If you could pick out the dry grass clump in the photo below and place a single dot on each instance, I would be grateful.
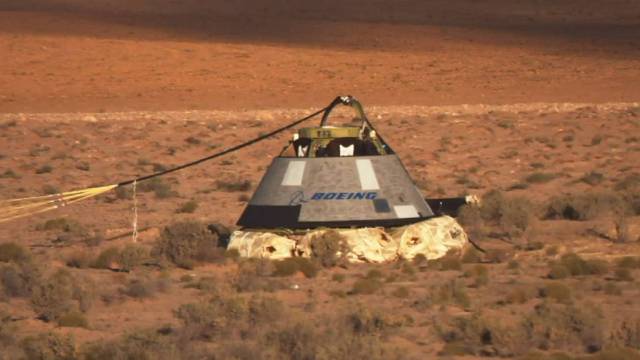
(131, 256)
(187, 243)
(592, 178)
(188, 207)
(329, 249)
(143, 344)
(53, 297)
(557, 292)
(254, 275)
(450, 293)
(366, 286)
(623, 274)
(73, 319)
(158, 186)
(479, 274)
(106, 258)
(293, 265)
(573, 265)
(450, 261)
(233, 185)
(540, 177)
(211, 319)
(498, 216)
(629, 262)
(144, 287)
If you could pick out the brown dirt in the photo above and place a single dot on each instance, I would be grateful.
(68, 55)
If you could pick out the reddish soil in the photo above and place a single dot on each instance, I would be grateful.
(69, 55)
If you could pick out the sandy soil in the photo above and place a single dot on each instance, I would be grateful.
(68, 55)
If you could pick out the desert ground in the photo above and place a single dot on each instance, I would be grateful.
(532, 105)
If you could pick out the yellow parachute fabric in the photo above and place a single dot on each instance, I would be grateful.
(17, 208)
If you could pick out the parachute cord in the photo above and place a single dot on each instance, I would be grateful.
(134, 232)
(224, 152)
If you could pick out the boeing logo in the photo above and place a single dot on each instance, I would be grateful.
(344, 195)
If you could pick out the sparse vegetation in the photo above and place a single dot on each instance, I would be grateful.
(540, 177)
(188, 207)
(233, 185)
(291, 266)
(189, 242)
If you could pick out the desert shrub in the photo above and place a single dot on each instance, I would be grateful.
(132, 255)
(420, 260)
(291, 266)
(627, 333)
(13, 252)
(79, 259)
(188, 242)
(585, 206)
(124, 192)
(629, 262)
(233, 185)
(482, 335)
(451, 292)
(496, 256)
(498, 215)
(519, 295)
(558, 292)
(188, 207)
(49, 346)
(366, 286)
(18, 280)
(365, 321)
(53, 297)
(540, 177)
(479, 274)
(623, 274)
(472, 255)
(253, 275)
(329, 249)
(566, 327)
(513, 264)
(592, 178)
(264, 310)
(73, 319)
(140, 344)
(44, 169)
(551, 250)
(158, 186)
(534, 246)
(450, 261)
(559, 271)
(573, 265)
(374, 274)
(401, 292)
(208, 320)
(338, 277)
(141, 288)
(612, 289)
(106, 258)
(207, 284)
